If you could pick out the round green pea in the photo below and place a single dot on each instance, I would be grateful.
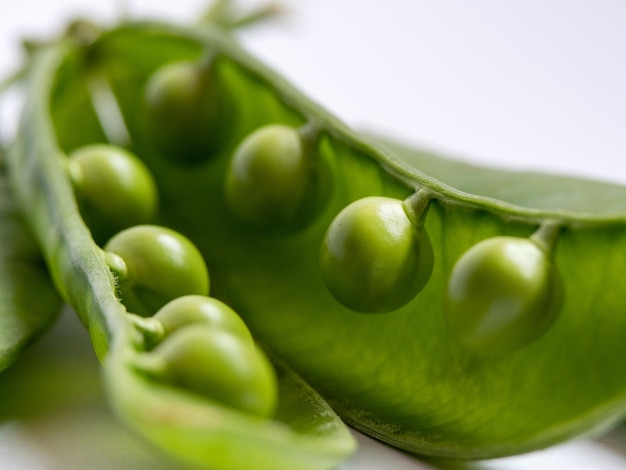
(114, 188)
(160, 265)
(503, 293)
(271, 183)
(187, 114)
(200, 309)
(218, 365)
(373, 259)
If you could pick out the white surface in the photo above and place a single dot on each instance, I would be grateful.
(530, 83)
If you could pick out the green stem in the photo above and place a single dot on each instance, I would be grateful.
(150, 331)
(117, 265)
(310, 134)
(547, 235)
(151, 365)
(224, 14)
(416, 207)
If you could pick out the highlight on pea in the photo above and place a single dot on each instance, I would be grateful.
(376, 254)
(504, 292)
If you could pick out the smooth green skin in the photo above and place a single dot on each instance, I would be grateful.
(219, 365)
(199, 309)
(114, 188)
(161, 265)
(269, 178)
(29, 304)
(373, 259)
(400, 377)
(185, 110)
(503, 294)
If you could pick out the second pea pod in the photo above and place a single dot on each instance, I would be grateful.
(429, 303)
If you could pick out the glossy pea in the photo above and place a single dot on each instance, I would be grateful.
(114, 188)
(373, 258)
(503, 294)
(200, 309)
(158, 265)
(272, 182)
(218, 365)
(186, 111)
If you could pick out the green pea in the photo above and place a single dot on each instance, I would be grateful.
(373, 258)
(186, 111)
(199, 309)
(272, 183)
(503, 293)
(219, 365)
(160, 265)
(114, 188)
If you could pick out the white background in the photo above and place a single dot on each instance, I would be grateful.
(527, 84)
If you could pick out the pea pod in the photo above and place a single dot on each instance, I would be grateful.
(402, 376)
(196, 428)
(28, 302)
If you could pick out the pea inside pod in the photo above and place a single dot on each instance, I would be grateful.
(203, 346)
(374, 258)
(217, 364)
(273, 181)
(187, 110)
(503, 294)
(192, 309)
(114, 188)
(155, 265)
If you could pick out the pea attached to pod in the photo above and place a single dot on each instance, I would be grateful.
(274, 181)
(503, 294)
(187, 111)
(114, 188)
(188, 310)
(376, 255)
(155, 265)
(222, 364)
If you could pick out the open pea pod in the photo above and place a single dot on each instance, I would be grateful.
(195, 428)
(475, 353)
(29, 304)
(445, 309)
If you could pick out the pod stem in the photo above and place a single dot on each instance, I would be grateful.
(416, 207)
(150, 329)
(150, 365)
(310, 133)
(546, 235)
(225, 14)
(117, 265)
